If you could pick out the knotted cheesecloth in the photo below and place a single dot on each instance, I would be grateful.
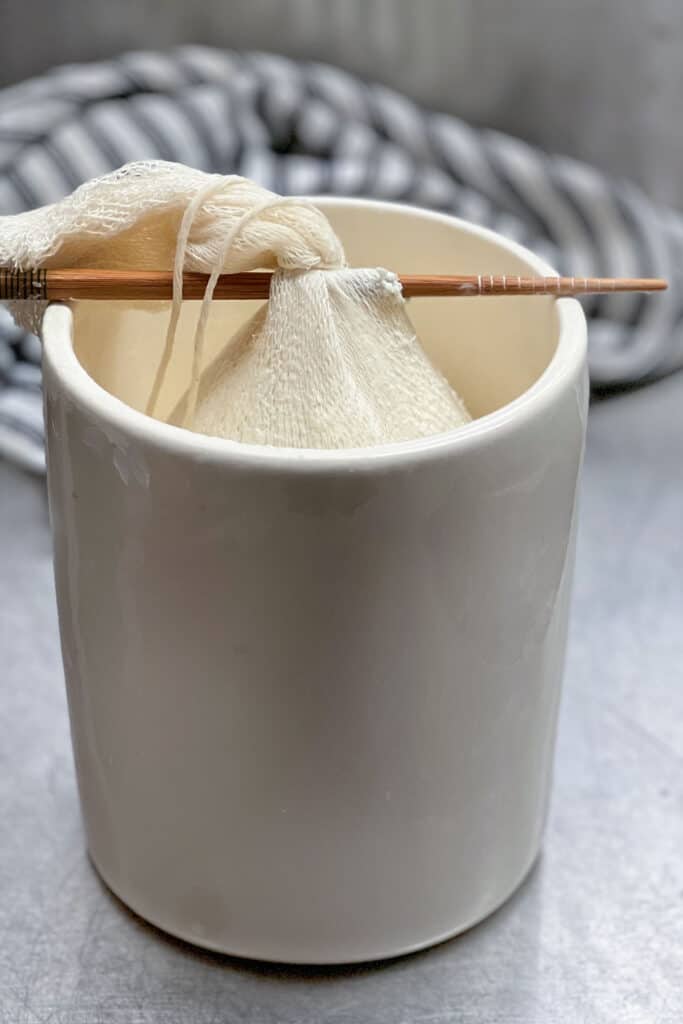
(330, 361)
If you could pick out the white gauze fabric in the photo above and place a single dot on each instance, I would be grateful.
(331, 361)
(131, 218)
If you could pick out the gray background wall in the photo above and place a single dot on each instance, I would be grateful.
(599, 79)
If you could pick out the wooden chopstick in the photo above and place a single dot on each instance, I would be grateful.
(158, 284)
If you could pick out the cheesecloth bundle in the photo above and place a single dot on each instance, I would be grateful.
(331, 361)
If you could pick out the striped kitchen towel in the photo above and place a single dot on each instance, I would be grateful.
(300, 127)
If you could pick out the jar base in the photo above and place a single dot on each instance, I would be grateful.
(343, 958)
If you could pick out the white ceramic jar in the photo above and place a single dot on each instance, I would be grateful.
(313, 695)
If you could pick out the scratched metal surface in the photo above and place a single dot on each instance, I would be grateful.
(596, 933)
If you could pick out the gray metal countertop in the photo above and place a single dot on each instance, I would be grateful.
(594, 935)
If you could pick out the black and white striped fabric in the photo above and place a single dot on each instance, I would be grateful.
(309, 128)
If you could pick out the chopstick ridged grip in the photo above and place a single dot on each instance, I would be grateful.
(23, 284)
